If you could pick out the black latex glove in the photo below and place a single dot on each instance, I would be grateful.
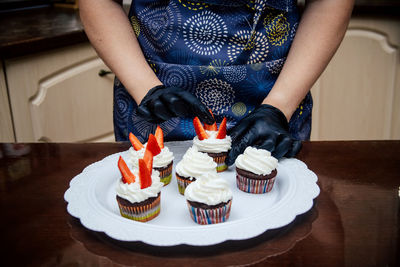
(266, 127)
(163, 103)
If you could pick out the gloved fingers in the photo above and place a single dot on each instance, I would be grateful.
(175, 104)
(232, 155)
(239, 129)
(198, 108)
(268, 141)
(158, 110)
(239, 145)
(268, 144)
(283, 145)
(144, 112)
(295, 148)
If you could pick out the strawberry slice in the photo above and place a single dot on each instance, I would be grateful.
(127, 176)
(212, 127)
(198, 127)
(159, 134)
(153, 146)
(222, 130)
(144, 175)
(137, 145)
(148, 159)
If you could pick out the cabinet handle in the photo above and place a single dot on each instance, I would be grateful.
(104, 72)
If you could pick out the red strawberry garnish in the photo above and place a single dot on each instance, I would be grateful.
(137, 145)
(148, 159)
(153, 146)
(222, 130)
(198, 127)
(160, 137)
(212, 127)
(127, 176)
(144, 175)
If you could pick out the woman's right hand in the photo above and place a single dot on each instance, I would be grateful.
(163, 103)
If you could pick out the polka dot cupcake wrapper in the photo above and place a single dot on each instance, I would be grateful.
(210, 216)
(254, 186)
(141, 213)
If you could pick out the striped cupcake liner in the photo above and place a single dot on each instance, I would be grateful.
(210, 216)
(221, 167)
(165, 174)
(167, 179)
(254, 186)
(141, 213)
(220, 160)
(182, 183)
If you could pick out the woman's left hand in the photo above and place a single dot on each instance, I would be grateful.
(266, 127)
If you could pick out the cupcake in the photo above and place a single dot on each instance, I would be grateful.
(215, 143)
(192, 165)
(163, 157)
(139, 192)
(209, 199)
(255, 171)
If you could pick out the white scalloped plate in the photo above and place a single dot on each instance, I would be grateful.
(91, 198)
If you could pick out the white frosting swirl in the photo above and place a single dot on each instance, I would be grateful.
(258, 161)
(212, 144)
(195, 163)
(161, 160)
(132, 191)
(209, 189)
(135, 156)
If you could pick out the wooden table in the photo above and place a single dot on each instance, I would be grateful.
(354, 222)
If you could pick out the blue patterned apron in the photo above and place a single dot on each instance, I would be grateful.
(228, 53)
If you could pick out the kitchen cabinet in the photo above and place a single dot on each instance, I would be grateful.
(58, 96)
(358, 95)
(6, 127)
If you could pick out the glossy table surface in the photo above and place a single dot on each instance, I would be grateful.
(354, 221)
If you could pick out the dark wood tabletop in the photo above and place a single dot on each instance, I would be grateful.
(354, 220)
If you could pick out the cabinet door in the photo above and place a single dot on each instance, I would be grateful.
(58, 96)
(6, 127)
(358, 95)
